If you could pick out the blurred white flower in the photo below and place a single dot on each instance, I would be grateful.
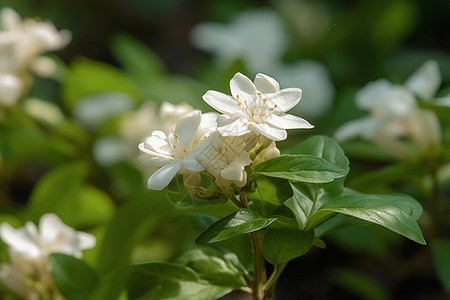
(173, 153)
(318, 89)
(425, 81)
(257, 37)
(21, 42)
(109, 150)
(258, 106)
(51, 236)
(29, 272)
(44, 111)
(10, 89)
(93, 110)
(395, 114)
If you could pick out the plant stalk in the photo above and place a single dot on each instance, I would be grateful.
(259, 265)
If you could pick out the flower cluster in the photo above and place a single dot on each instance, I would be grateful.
(21, 42)
(28, 274)
(224, 146)
(396, 123)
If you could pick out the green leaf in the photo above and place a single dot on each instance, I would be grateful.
(87, 77)
(58, 192)
(137, 58)
(131, 223)
(284, 241)
(443, 112)
(394, 23)
(326, 148)
(238, 223)
(441, 256)
(360, 284)
(269, 194)
(302, 202)
(74, 278)
(299, 168)
(336, 223)
(154, 281)
(214, 267)
(397, 213)
(63, 192)
(380, 180)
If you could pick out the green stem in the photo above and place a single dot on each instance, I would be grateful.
(433, 204)
(259, 265)
(269, 287)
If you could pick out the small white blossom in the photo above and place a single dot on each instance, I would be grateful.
(173, 153)
(225, 159)
(258, 106)
(395, 114)
(28, 274)
(10, 89)
(257, 37)
(21, 42)
(51, 236)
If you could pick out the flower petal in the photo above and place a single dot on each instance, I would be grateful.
(85, 240)
(365, 127)
(426, 80)
(221, 102)
(269, 131)
(287, 121)
(237, 127)
(20, 239)
(285, 99)
(234, 171)
(187, 126)
(266, 84)
(154, 161)
(243, 88)
(51, 228)
(161, 178)
(190, 163)
(161, 152)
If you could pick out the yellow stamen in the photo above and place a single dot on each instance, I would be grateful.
(237, 96)
(275, 106)
(259, 94)
(265, 113)
(178, 142)
(239, 103)
(271, 109)
(184, 150)
(265, 99)
(174, 147)
(225, 137)
(177, 136)
(173, 156)
(250, 125)
(245, 101)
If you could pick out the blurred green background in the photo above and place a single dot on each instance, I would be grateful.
(345, 44)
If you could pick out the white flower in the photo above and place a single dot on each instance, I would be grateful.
(257, 37)
(10, 89)
(395, 114)
(22, 41)
(51, 236)
(28, 274)
(91, 111)
(225, 159)
(171, 154)
(258, 106)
